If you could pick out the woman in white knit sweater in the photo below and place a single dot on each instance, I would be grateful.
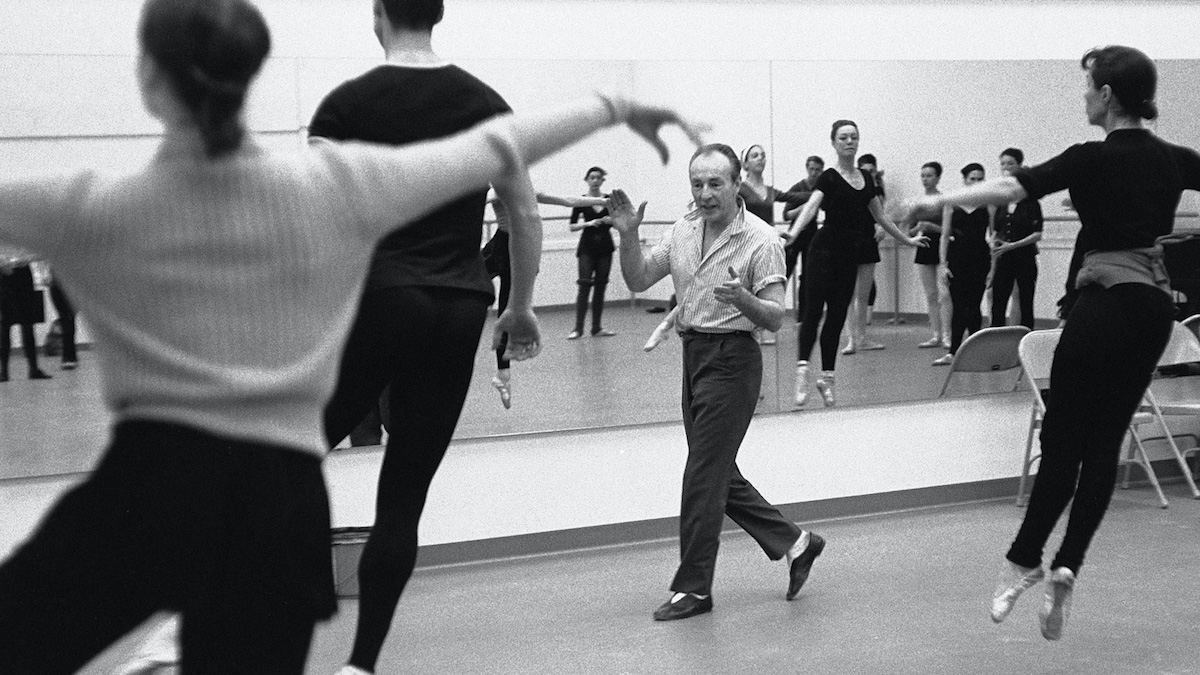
(220, 281)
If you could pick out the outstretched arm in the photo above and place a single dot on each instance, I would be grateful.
(806, 214)
(525, 252)
(571, 202)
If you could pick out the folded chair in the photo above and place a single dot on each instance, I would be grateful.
(1036, 352)
(1183, 397)
(991, 350)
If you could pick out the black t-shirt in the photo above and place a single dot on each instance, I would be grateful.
(397, 105)
(596, 241)
(1125, 189)
(1024, 220)
(849, 224)
(968, 250)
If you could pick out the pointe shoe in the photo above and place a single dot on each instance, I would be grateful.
(504, 388)
(574, 335)
(866, 345)
(659, 336)
(1057, 607)
(849, 349)
(931, 343)
(825, 386)
(603, 332)
(944, 360)
(801, 385)
(1014, 580)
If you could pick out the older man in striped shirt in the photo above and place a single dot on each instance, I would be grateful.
(728, 271)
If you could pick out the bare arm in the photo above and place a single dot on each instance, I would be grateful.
(571, 202)
(944, 243)
(636, 267)
(807, 213)
(885, 221)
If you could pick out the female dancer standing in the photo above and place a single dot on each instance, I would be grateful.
(1018, 228)
(595, 254)
(966, 262)
(19, 306)
(1118, 313)
(759, 197)
(221, 280)
(498, 263)
(852, 208)
(927, 260)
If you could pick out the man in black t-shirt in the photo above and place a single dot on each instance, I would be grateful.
(426, 297)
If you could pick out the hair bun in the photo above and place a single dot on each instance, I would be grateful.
(1147, 110)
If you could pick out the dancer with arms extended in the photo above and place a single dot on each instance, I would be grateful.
(852, 208)
(727, 269)
(220, 281)
(1118, 313)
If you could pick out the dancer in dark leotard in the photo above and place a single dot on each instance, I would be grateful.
(967, 260)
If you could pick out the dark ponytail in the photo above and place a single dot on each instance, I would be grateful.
(210, 49)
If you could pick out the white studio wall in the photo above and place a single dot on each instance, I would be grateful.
(947, 80)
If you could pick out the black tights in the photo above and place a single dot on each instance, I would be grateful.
(967, 287)
(593, 280)
(502, 303)
(1104, 361)
(28, 343)
(421, 341)
(829, 283)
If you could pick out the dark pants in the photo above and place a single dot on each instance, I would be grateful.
(830, 287)
(28, 343)
(593, 279)
(233, 535)
(1014, 268)
(66, 321)
(795, 252)
(721, 378)
(421, 341)
(968, 283)
(1109, 347)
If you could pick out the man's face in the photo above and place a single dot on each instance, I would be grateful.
(867, 167)
(714, 189)
(814, 170)
(1008, 164)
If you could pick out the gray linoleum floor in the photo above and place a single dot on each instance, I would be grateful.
(894, 593)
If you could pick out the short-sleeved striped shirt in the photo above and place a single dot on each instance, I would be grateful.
(748, 245)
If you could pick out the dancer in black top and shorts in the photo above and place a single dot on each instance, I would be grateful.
(852, 208)
(1118, 313)
(966, 262)
(594, 254)
(937, 296)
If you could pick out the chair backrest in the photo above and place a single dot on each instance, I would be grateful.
(1192, 323)
(1036, 351)
(1184, 346)
(991, 350)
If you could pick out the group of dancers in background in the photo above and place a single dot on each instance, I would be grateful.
(250, 306)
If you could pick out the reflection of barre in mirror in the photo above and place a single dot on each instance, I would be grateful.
(210, 499)
(1118, 314)
(727, 270)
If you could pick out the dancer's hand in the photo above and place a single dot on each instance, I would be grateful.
(622, 215)
(920, 241)
(648, 120)
(524, 335)
(731, 290)
(944, 271)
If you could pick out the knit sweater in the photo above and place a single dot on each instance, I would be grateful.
(220, 293)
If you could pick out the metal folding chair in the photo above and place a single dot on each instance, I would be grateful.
(1192, 323)
(1177, 396)
(1036, 352)
(991, 350)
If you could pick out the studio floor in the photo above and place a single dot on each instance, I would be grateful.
(895, 593)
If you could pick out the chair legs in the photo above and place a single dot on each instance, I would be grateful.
(1030, 458)
(1139, 457)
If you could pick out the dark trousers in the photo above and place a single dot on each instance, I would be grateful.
(593, 279)
(1014, 268)
(795, 252)
(66, 321)
(968, 283)
(721, 378)
(233, 535)
(421, 341)
(829, 286)
(28, 343)
(1109, 347)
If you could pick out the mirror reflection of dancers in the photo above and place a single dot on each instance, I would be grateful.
(19, 306)
(966, 263)
(937, 296)
(1118, 314)
(498, 262)
(594, 255)
(863, 303)
(797, 250)
(852, 209)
